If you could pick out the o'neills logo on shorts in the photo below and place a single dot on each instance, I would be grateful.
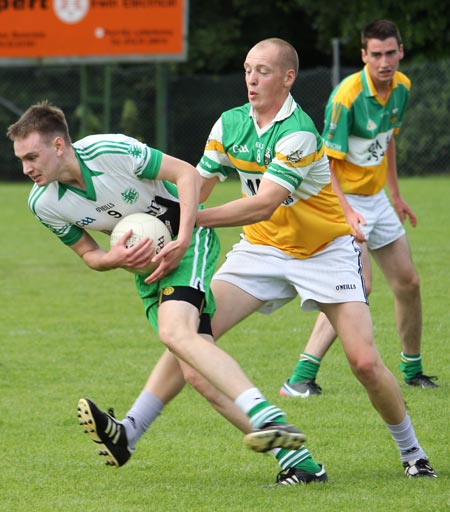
(168, 291)
(340, 287)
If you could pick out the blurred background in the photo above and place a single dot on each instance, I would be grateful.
(173, 105)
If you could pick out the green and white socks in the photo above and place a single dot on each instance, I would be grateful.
(410, 365)
(260, 412)
(306, 369)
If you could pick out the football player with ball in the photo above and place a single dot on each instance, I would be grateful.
(296, 243)
(92, 184)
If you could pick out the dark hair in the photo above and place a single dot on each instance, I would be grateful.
(43, 118)
(380, 29)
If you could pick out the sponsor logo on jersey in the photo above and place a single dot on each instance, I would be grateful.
(295, 156)
(105, 207)
(130, 195)
(240, 148)
(82, 223)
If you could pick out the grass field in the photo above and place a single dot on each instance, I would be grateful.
(69, 332)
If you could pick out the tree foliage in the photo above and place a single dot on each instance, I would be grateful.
(220, 33)
(425, 26)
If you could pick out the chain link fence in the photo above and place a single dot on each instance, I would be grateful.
(194, 103)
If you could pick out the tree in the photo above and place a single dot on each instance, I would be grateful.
(425, 27)
(220, 33)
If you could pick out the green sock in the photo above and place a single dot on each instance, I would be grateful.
(264, 413)
(410, 365)
(306, 369)
(301, 459)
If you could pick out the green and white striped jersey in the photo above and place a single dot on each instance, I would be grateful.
(120, 175)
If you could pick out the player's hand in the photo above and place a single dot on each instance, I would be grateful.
(168, 259)
(403, 211)
(355, 219)
(137, 256)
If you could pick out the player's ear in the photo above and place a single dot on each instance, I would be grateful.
(363, 55)
(59, 144)
(289, 77)
(401, 51)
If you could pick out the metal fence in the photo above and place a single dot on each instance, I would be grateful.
(127, 98)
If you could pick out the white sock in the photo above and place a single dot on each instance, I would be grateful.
(406, 441)
(142, 414)
(248, 399)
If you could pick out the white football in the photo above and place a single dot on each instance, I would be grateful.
(143, 225)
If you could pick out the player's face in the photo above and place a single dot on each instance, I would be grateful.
(382, 59)
(267, 84)
(39, 158)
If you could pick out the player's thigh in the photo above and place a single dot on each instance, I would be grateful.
(395, 261)
(353, 324)
(178, 321)
(232, 305)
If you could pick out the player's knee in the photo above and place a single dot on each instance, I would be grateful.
(407, 284)
(171, 336)
(368, 371)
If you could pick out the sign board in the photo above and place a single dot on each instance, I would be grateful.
(92, 31)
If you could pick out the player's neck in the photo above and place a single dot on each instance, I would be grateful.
(71, 174)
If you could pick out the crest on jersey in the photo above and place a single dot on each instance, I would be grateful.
(295, 156)
(371, 125)
(267, 156)
(135, 151)
(130, 195)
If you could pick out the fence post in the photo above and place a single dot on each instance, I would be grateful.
(336, 69)
(161, 106)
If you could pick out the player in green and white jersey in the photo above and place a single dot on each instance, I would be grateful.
(363, 115)
(89, 186)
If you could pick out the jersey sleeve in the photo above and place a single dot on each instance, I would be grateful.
(67, 232)
(295, 155)
(215, 162)
(337, 129)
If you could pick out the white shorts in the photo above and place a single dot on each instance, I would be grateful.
(383, 225)
(331, 276)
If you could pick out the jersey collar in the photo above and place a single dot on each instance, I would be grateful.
(89, 193)
(285, 111)
(368, 85)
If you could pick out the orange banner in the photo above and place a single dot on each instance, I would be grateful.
(93, 30)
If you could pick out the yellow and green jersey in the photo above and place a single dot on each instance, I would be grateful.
(358, 127)
(290, 152)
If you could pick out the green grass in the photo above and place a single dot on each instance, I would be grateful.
(68, 332)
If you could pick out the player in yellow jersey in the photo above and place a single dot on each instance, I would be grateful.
(363, 115)
(296, 243)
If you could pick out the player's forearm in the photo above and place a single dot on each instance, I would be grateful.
(93, 255)
(241, 212)
(188, 187)
(392, 176)
(99, 260)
